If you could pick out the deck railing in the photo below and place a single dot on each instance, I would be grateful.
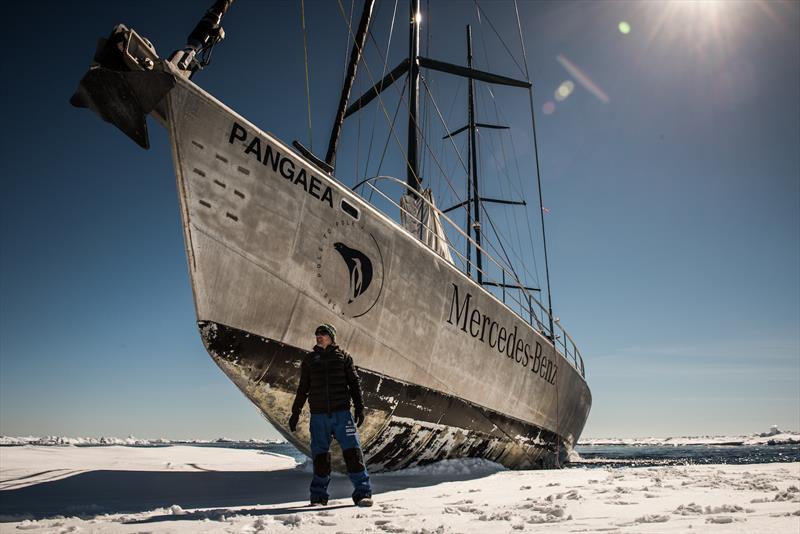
(523, 303)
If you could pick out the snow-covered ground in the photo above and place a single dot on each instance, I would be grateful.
(130, 441)
(186, 489)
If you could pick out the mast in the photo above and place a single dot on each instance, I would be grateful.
(355, 58)
(412, 175)
(473, 156)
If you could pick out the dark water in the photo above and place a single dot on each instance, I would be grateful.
(626, 455)
(645, 456)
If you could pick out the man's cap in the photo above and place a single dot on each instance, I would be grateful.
(328, 329)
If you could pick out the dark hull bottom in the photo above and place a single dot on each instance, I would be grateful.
(406, 424)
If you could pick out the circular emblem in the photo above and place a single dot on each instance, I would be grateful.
(349, 266)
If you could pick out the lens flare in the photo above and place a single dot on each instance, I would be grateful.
(582, 78)
(564, 90)
(549, 107)
(624, 28)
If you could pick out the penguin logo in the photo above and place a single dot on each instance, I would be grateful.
(360, 268)
(350, 280)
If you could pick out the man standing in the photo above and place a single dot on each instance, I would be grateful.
(328, 380)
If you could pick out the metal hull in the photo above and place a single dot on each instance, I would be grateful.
(276, 247)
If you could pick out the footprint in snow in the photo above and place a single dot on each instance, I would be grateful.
(652, 518)
(721, 520)
(386, 526)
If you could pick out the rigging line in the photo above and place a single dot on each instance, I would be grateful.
(433, 100)
(499, 165)
(489, 242)
(538, 173)
(308, 80)
(394, 133)
(511, 55)
(529, 226)
(347, 43)
(501, 119)
(380, 97)
(504, 190)
(383, 106)
(358, 125)
(505, 254)
(449, 117)
(358, 146)
(498, 115)
(427, 146)
(386, 145)
(535, 276)
(507, 221)
(426, 113)
(503, 194)
(510, 265)
(522, 262)
(375, 112)
(416, 124)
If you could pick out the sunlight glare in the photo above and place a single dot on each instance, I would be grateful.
(706, 30)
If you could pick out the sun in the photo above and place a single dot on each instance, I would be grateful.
(707, 29)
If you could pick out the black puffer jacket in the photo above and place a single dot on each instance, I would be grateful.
(328, 380)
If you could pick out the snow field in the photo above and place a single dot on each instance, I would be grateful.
(458, 496)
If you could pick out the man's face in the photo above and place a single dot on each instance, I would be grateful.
(323, 339)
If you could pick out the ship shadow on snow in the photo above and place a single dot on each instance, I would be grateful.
(113, 492)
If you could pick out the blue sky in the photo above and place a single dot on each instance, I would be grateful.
(673, 232)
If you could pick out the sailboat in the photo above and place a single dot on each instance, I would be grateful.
(276, 245)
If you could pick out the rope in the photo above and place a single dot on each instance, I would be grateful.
(346, 58)
(372, 78)
(498, 116)
(541, 212)
(488, 242)
(538, 171)
(481, 11)
(426, 110)
(386, 145)
(308, 80)
(375, 113)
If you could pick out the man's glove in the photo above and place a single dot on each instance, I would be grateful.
(293, 421)
(359, 416)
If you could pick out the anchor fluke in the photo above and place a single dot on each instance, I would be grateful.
(124, 84)
(123, 98)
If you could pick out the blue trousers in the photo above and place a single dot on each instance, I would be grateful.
(341, 426)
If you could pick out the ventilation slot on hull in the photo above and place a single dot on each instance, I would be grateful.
(349, 209)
